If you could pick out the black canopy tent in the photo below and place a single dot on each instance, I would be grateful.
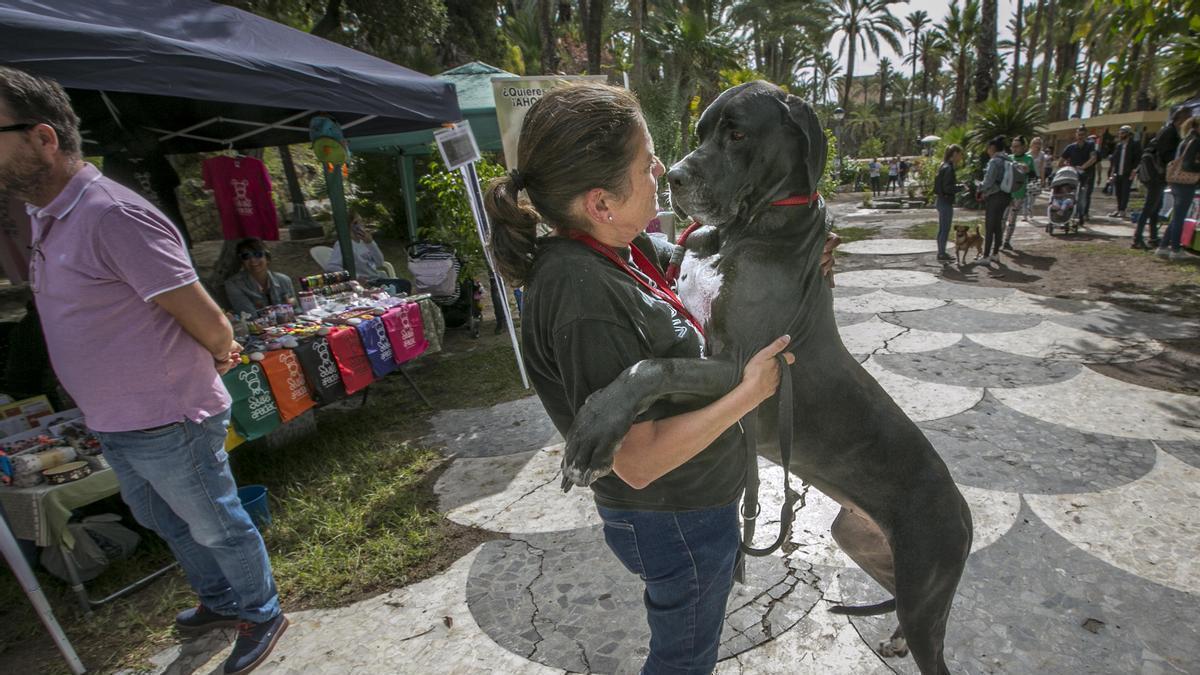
(198, 76)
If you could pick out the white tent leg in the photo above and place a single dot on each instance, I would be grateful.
(29, 583)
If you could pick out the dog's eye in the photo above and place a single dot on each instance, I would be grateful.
(737, 136)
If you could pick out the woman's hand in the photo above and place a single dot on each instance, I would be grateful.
(760, 379)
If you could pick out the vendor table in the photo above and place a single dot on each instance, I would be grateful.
(40, 514)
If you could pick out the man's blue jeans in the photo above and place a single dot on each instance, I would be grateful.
(686, 559)
(177, 482)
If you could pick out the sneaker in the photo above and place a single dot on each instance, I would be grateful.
(1180, 254)
(1007, 246)
(945, 256)
(1139, 245)
(1162, 252)
(200, 619)
(1115, 214)
(254, 644)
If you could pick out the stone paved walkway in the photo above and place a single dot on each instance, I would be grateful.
(1084, 490)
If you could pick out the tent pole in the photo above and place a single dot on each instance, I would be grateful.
(341, 220)
(29, 583)
(408, 180)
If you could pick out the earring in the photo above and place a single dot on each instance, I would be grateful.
(610, 219)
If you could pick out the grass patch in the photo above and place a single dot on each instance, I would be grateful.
(352, 508)
(851, 233)
(922, 231)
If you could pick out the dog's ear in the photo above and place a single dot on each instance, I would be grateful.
(812, 147)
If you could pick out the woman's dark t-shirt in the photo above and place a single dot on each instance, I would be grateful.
(584, 322)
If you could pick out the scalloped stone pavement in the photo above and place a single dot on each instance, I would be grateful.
(1084, 492)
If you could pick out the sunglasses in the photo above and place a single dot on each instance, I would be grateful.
(24, 126)
(246, 255)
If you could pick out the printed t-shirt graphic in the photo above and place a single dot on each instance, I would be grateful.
(351, 359)
(320, 370)
(254, 411)
(406, 331)
(287, 383)
(378, 348)
(242, 189)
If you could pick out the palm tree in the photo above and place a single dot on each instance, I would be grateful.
(917, 21)
(885, 70)
(932, 47)
(999, 117)
(985, 51)
(959, 30)
(1033, 44)
(1016, 71)
(863, 23)
(827, 69)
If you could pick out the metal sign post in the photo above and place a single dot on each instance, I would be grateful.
(459, 151)
(29, 584)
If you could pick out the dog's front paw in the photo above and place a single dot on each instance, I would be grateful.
(594, 438)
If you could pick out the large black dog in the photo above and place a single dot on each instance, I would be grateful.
(753, 274)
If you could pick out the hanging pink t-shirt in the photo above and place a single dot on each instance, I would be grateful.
(242, 189)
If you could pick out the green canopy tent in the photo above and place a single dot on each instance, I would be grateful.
(473, 83)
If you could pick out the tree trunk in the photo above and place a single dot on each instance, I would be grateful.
(1032, 48)
(985, 51)
(882, 90)
(1048, 53)
(961, 83)
(1146, 77)
(638, 9)
(591, 15)
(1016, 71)
(331, 20)
(924, 95)
(546, 33)
(912, 100)
(1083, 87)
(1133, 62)
(1099, 93)
(849, 72)
(1114, 95)
(685, 118)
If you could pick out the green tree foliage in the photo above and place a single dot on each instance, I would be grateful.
(445, 214)
(1005, 117)
(864, 23)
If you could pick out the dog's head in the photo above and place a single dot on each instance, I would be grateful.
(961, 230)
(757, 144)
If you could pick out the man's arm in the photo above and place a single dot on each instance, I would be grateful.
(192, 307)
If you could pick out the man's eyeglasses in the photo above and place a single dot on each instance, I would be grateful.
(24, 126)
(246, 255)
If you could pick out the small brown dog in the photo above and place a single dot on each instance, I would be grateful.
(964, 240)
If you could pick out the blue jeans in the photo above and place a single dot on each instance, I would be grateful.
(1154, 193)
(1182, 195)
(686, 559)
(1083, 203)
(177, 482)
(945, 211)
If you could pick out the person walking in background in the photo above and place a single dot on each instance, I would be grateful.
(1041, 161)
(1183, 181)
(875, 168)
(1160, 151)
(893, 174)
(995, 200)
(904, 167)
(141, 347)
(1122, 163)
(1020, 198)
(1082, 155)
(945, 189)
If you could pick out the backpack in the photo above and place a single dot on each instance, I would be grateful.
(1014, 176)
(1150, 169)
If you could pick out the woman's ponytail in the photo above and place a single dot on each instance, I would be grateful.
(514, 229)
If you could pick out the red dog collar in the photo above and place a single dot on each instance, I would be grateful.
(798, 200)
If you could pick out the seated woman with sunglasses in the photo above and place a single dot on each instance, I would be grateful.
(255, 286)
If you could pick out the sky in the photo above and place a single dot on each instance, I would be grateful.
(937, 10)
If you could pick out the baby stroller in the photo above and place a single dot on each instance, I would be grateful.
(435, 269)
(1064, 201)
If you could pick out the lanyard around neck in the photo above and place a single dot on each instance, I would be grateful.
(650, 279)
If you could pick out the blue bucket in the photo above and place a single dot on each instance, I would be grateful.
(254, 500)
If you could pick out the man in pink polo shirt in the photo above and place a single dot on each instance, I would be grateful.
(140, 346)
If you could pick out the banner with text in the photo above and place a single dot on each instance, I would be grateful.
(514, 95)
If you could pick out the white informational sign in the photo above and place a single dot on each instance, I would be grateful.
(514, 96)
(457, 145)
